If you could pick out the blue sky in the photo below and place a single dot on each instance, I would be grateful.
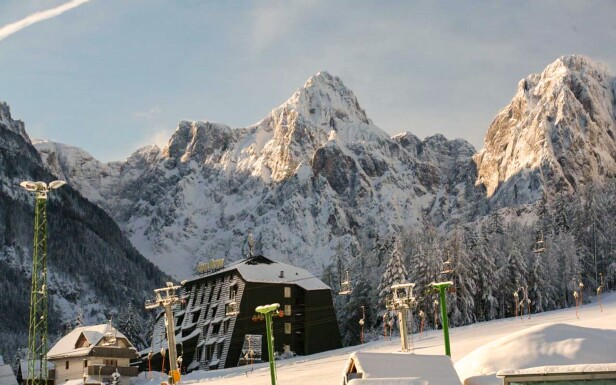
(110, 76)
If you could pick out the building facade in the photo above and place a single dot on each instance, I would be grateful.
(218, 327)
(93, 354)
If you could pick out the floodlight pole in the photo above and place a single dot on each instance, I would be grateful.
(39, 303)
(442, 287)
(267, 311)
(167, 298)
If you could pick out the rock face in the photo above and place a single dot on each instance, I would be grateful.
(93, 268)
(313, 177)
(558, 131)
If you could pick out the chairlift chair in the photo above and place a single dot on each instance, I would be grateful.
(539, 245)
(346, 287)
(232, 309)
(447, 265)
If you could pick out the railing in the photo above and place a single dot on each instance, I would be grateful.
(113, 352)
(95, 370)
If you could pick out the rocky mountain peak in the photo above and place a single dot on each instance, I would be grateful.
(7, 121)
(326, 104)
(555, 116)
(197, 141)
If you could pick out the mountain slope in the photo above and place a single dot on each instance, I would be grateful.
(93, 268)
(312, 179)
(557, 131)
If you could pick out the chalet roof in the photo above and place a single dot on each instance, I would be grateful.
(7, 377)
(23, 367)
(560, 369)
(93, 334)
(420, 368)
(265, 270)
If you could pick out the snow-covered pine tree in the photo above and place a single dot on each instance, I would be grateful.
(540, 289)
(462, 300)
(351, 312)
(514, 277)
(485, 273)
(564, 266)
(425, 267)
(129, 324)
(496, 223)
(394, 273)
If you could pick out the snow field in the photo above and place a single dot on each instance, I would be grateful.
(326, 368)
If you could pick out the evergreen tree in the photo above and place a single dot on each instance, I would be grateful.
(540, 289)
(496, 223)
(513, 276)
(130, 324)
(463, 304)
(483, 269)
(395, 273)
(352, 313)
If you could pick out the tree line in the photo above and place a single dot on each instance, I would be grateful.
(546, 250)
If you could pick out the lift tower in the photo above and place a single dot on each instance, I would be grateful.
(37, 332)
(167, 298)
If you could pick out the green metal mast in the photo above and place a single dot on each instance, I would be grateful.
(267, 310)
(442, 287)
(37, 332)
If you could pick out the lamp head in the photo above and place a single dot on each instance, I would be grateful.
(28, 185)
(267, 308)
(56, 183)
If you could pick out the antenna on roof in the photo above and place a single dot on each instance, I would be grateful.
(251, 244)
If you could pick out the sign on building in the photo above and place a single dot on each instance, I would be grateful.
(212, 265)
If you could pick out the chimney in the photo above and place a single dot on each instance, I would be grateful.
(281, 274)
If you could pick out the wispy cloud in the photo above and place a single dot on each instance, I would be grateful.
(148, 114)
(17, 26)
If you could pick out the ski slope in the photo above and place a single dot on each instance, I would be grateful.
(326, 368)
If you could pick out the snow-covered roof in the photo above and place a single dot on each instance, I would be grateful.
(402, 367)
(7, 377)
(93, 334)
(23, 367)
(560, 369)
(265, 270)
(388, 381)
(551, 344)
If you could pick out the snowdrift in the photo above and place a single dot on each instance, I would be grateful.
(542, 345)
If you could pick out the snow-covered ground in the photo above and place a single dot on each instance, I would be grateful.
(326, 368)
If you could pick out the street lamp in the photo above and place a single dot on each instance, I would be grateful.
(267, 311)
(37, 331)
(441, 287)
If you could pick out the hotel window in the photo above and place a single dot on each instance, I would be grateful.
(232, 291)
(287, 328)
(287, 310)
(287, 292)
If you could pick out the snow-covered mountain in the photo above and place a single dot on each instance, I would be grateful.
(93, 268)
(316, 177)
(313, 178)
(557, 131)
